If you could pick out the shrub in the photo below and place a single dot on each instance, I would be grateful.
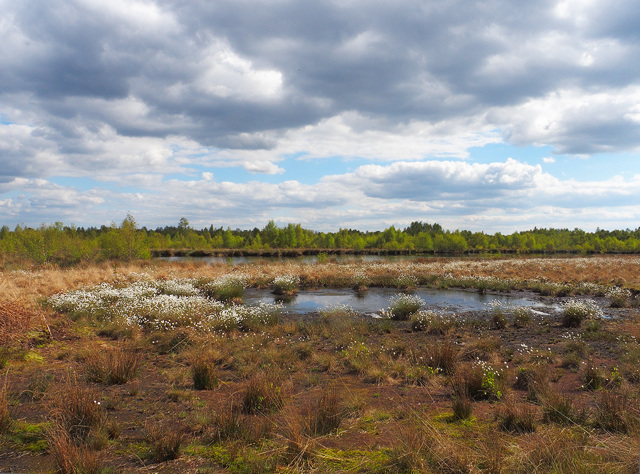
(574, 312)
(113, 366)
(402, 306)
(204, 375)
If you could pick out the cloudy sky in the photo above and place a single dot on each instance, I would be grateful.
(493, 115)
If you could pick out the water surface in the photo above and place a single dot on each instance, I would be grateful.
(377, 299)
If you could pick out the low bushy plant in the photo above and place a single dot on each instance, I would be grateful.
(285, 284)
(402, 306)
(575, 311)
(618, 297)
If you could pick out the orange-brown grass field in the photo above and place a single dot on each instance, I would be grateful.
(158, 367)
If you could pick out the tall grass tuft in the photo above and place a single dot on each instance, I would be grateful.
(516, 417)
(616, 412)
(166, 441)
(113, 366)
(77, 409)
(204, 375)
(5, 417)
(327, 413)
(263, 395)
(69, 457)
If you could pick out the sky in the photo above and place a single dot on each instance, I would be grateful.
(486, 115)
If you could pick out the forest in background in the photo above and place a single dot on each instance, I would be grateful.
(69, 245)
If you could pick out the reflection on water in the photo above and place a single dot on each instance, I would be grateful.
(376, 299)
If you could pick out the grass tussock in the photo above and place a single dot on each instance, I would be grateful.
(77, 408)
(326, 413)
(69, 457)
(165, 439)
(263, 395)
(112, 365)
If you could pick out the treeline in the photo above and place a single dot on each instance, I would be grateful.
(68, 245)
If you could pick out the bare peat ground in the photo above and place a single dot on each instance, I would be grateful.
(327, 392)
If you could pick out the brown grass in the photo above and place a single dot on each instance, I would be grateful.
(269, 411)
(15, 320)
(112, 365)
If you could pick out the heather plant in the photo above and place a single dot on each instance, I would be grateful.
(402, 306)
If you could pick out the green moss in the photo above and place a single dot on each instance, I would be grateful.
(29, 437)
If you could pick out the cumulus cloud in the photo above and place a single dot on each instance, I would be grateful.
(143, 96)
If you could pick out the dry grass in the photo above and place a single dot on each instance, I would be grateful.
(112, 365)
(263, 394)
(257, 419)
(15, 320)
(69, 457)
(166, 440)
(76, 408)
